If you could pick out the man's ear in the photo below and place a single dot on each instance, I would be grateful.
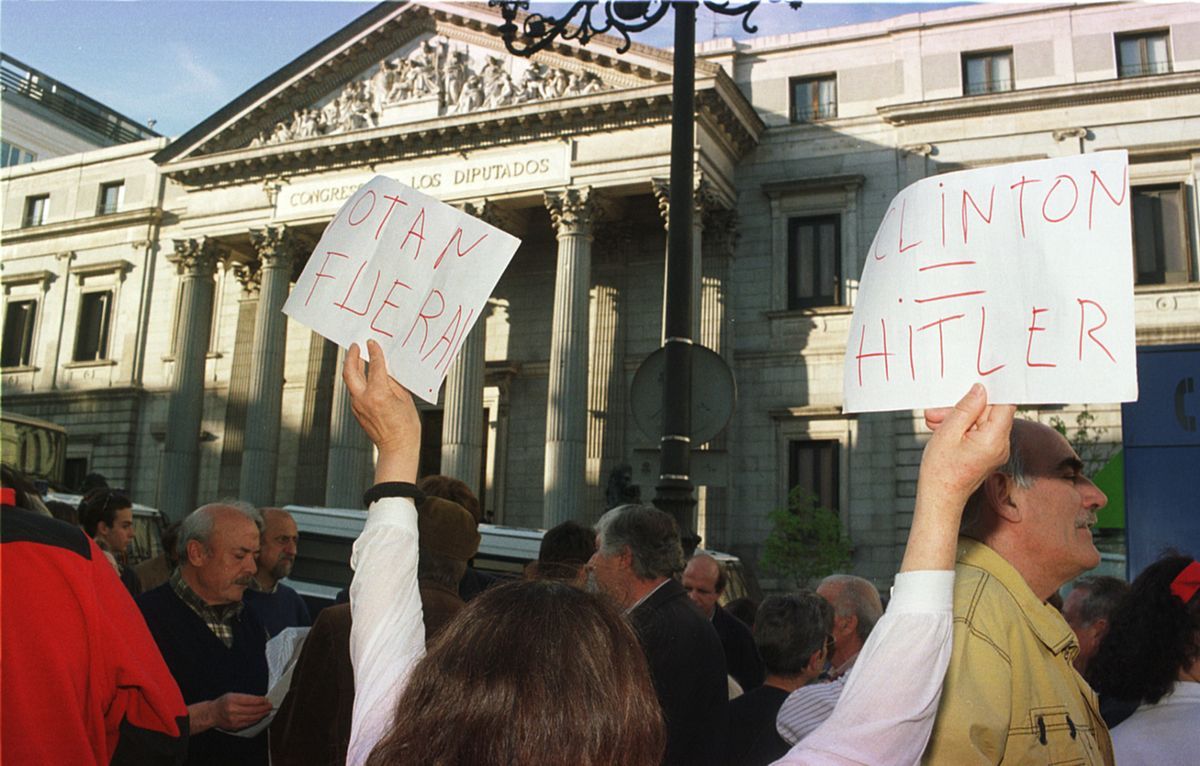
(816, 663)
(851, 624)
(626, 558)
(998, 489)
(196, 553)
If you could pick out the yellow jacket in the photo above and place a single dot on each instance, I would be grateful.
(1011, 694)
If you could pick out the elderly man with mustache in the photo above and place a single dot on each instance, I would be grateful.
(215, 649)
(276, 605)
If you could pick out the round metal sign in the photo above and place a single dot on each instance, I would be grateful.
(713, 394)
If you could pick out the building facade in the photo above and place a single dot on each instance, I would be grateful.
(153, 332)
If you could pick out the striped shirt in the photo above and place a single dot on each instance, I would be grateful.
(807, 708)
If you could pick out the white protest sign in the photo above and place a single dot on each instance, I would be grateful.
(406, 270)
(1019, 276)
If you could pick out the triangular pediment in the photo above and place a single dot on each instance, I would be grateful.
(404, 64)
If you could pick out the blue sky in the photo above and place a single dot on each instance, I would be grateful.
(178, 61)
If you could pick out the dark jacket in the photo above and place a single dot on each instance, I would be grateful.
(741, 655)
(687, 665)
(313, 724)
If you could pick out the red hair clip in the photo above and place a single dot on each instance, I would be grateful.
(1187, 582)
(8, 496)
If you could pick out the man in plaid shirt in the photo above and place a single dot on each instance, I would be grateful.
(214, 647)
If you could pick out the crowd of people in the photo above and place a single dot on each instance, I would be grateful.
(613, 649)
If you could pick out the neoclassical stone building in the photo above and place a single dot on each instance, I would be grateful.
(154, 332)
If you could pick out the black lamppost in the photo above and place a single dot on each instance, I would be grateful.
(534, 32)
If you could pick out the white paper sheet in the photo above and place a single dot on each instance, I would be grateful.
(408, 271)
(1019, 276)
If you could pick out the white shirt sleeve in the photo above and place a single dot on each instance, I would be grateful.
(387, 636)
(888, 706)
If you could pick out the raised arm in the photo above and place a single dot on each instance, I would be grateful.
(969, 441)
(909, 649)
(387, 637)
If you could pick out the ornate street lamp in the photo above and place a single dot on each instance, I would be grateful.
(585, 19)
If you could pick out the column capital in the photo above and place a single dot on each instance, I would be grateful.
(705, 199)
(248, 275)
(574, 210)
(502, 218)
(197, 257)
(275, 246)
(721, 227)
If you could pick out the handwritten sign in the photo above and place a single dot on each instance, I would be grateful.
(406, 270)
(1019, 276)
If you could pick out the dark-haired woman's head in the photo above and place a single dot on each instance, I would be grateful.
(530, 672)
(107, 515)
(1153, 634)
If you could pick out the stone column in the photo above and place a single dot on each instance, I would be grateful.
(606, 379)
(351, 456)
(715, 330)
(275, 247)
(573, 213)
(462, 416)
(701, 197)
(233, 438)
(195, 261)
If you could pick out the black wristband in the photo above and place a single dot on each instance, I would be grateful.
(393, 489)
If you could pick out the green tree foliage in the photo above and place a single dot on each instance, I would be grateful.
(1087, 440)
(806, 541)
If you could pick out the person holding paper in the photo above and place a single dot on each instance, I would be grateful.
(908, 651)
(1012, 695)
(215, 649)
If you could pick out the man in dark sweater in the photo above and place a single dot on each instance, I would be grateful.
(214, 648)
(791, 633)
(276, 605)
(637, 553)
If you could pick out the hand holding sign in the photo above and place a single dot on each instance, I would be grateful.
(405, 270)
(1019, 276)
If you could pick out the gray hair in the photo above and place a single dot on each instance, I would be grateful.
(789, 629)
(856, 597)
(1101, 596)
(651, 536)
(198, 525)
(1013, 468)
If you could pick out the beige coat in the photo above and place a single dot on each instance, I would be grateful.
(1011, 694)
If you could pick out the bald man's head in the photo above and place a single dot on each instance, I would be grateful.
(704, 580)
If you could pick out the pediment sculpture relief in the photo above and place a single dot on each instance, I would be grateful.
(447, 80)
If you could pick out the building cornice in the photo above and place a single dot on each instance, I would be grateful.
(445, 135)
(718, 100)
(139, 217)
(1038, 99)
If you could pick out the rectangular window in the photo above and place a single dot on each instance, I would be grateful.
(11, 154)
(1142, 53)
(111, 197)
(814, 98)
(814, 466)
(19, 317)
(36, 208)
(95, 318)
(1161, 251)
(814, 261)
(987, 72)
